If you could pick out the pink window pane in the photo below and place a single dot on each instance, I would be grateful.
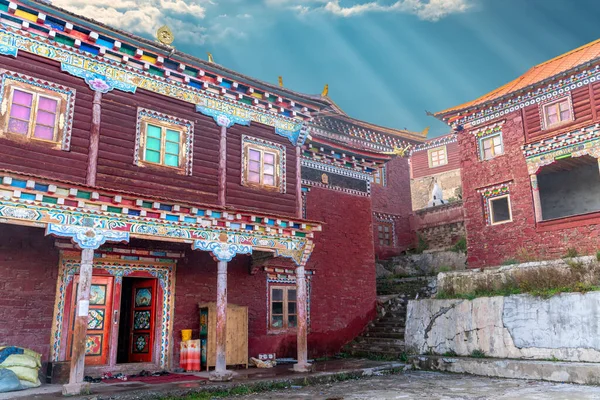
(269, 169)
(254, 166)
(269, 158)
(552, 119)
(45, 118)
(20, 112)
(269, 180)
(565, 115)
(254, 177)
(254, 155)
(47, 104)
(44, 132)
(22, 98)
(488, 153)
(18, 126)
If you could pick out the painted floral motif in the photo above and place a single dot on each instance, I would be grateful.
(98, 295)
(99, 85)
(143, 297)
(140, 344)
(93, 345)
(141, 320)
(96, 319)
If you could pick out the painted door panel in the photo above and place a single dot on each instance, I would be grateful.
(143, 316)
(99, 320)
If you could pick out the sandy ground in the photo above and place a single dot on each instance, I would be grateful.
(435, 386)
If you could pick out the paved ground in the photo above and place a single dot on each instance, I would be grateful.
(434, 386)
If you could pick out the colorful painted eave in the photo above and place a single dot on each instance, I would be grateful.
(26, 200)
(565, 72)
(435, 142)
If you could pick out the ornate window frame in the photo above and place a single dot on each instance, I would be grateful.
(552, 101)
(485, 133)
(261, 145)
(65, 97)
(380, 176)
(491, 193)
(186, 139)
(286, 277)
(389, 220)
(438, 149)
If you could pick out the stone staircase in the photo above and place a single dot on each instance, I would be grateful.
(384, 337)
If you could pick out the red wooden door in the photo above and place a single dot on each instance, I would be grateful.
(143, 316)
(99, 321)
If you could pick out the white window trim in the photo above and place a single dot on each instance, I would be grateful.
(435, 149)
(543, 114)
(482, 150)
(491, 212)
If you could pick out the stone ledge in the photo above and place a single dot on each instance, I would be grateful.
(566, 372)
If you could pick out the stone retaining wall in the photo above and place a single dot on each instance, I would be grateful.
(564, 327)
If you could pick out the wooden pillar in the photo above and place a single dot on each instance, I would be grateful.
(222, 166)
(302, 365)
(220, 373)
(537, 203)
(76, 384)
(298, 182)
(94, 140)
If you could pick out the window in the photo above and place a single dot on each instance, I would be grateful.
(499, 210)
(163, 141)
(384, 234)
(284, 313)
(491, 146)
(36, 111)
(263, 164)
(437, 157)
(557, 112)
(379, 176)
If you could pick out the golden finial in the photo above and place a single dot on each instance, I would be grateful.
(425, 132)
(399, 151)
(281, 81)
(325, 90)
(164, 35)
(210, 58)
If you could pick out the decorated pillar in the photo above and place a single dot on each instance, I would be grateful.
(302, 329)
(298, 182)
(94, 140)
(537, 203)
(222, 252)
(87, 239)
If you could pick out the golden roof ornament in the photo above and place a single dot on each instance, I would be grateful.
(210, 58)
(164, 35)
(425, 132)
(325, 90)
(398, 151)
(280, 81)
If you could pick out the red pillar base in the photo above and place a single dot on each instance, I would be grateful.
(304, 367)
(221, 376)
(76, 389)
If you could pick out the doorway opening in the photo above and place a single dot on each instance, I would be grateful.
(137, 320)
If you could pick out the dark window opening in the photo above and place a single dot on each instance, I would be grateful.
(500, 210)
(569, 187)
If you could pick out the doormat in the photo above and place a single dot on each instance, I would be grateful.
(170, 378)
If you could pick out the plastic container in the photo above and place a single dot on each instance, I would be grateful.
(186, 334)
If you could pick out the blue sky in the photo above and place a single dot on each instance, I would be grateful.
(386, 61)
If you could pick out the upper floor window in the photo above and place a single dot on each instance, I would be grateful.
(499, 208)
(283, 310)
(379, 176)
(491, 146)
(263, 164)
(557, 112)
(164, 141)
(33, 110)
(437, 157)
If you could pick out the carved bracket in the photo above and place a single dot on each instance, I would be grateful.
(222, 251)
(223, 118)
(86, 237)
(98, 82)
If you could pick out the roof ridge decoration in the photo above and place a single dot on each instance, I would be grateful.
(105, 76)
(435, 142)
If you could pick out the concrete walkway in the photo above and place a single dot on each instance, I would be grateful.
(323, 371)
(423, 385)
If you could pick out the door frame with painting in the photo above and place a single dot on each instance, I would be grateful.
(143, 321)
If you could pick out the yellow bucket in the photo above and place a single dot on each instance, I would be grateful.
(186, 334)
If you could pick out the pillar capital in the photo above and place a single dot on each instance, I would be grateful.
(222, 251)
(87, 237)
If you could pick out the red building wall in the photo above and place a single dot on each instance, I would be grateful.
(394, 200)
(420, 161)
(491, 245)
(28, 273)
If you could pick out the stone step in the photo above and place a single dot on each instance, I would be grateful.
(378, 341)
(380, 333)
(371, 349)
(390, 322)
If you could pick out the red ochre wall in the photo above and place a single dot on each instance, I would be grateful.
(394, 198)
(28, 273)
(491, 245)
(343, 294)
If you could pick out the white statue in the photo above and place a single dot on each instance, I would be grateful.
(437, 196)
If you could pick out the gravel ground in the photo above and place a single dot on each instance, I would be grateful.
(434, 386)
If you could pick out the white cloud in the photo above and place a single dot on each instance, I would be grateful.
(429, 10)
(146, 16)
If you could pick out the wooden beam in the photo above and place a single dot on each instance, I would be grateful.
(298, 182)
(94, 140)
(220, 373)
(76, 384)
(222, 167)
(302, 365)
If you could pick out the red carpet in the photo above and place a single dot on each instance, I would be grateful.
(158, 379)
